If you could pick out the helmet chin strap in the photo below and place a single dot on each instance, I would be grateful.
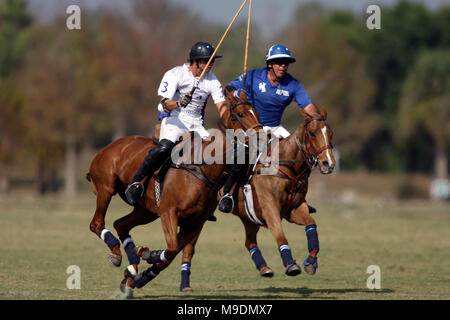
(198, 67)
(274, 74)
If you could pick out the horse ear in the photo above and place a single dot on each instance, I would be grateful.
(304, 113)
(243, 96)
(323, 112)
(229, 95)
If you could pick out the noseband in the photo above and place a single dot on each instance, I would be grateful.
(312, 158)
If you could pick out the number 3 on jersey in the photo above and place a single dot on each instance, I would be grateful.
(164, 85)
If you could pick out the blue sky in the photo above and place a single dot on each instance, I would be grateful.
(269, 15)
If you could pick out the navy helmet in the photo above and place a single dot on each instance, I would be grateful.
(279, 51)
(202, 50)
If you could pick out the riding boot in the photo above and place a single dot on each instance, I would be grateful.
(226, 203)
(153, 160)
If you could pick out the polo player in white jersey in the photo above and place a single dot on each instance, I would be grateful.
(185, 111)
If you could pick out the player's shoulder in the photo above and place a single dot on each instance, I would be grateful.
(211, 77)
(177, 70)
(259, 72)
(291, 81)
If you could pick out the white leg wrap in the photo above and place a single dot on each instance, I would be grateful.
(132, 270)
(103, 233)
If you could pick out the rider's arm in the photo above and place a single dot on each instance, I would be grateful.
(311, 109)
(168, 104)
(304, 101)
(221, 107)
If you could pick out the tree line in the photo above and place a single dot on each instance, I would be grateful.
(63, 92)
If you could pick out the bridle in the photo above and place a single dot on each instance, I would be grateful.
(235, 116)
(311, 158)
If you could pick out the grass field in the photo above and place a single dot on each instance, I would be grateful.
(409, 241)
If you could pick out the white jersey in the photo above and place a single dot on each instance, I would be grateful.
(179, 81)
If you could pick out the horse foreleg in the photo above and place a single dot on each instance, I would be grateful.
(301, 216)
(185, 236)
(273, 220)
(251, 230)
(188, 253)
(97, 226)
(138, 216)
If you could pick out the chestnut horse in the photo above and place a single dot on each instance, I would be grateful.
(282, 196)
(112, 170)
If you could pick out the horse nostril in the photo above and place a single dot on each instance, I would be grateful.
(326, 164)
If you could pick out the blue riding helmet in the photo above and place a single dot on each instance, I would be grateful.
(279, 51)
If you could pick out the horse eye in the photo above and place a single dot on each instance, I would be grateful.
(312, 134)
(241, 114)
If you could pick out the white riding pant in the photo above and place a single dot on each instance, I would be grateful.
(278, 131)
(172, 128)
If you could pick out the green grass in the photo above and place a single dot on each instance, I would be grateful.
(409, 241)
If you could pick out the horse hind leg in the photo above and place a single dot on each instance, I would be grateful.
(97, 226)
(185, 236)
(123, 226)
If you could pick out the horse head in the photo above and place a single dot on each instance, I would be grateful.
(240, 114)
(316, 138)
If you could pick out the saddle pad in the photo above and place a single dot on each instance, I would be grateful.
(249, 207)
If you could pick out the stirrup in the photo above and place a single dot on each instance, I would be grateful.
(134, 192)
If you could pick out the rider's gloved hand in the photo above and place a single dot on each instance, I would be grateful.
(184, 101)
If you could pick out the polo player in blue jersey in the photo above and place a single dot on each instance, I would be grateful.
(270, 90)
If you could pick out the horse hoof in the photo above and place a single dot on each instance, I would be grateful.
(115, 259)
(139, 251)
(310, 265)
(309, 269)
(187, 289)
(266, 272)
(126, 291)
(126, 284)
(293, 270)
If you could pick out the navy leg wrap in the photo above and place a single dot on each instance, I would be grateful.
(145, 277)
(129, 245)
(257, 257)
(286, 255)
(185, 274)
(109, 238)
(313, 239)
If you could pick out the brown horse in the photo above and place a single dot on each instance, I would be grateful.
(282, 196)
(112, 170)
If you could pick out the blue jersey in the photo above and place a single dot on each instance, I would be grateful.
(271, 100)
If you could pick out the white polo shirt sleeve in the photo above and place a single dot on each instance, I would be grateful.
(216, 90)
(169, 84)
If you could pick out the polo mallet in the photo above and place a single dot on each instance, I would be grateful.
(246, 41)
(217, 48)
